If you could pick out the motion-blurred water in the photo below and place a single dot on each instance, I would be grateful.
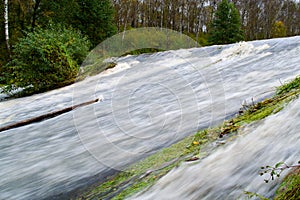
(234, 168)
(147, 102)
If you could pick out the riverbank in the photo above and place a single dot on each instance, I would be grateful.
(290, 187)
(192, 149)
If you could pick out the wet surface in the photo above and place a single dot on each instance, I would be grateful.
(234, 168)
(147, 102)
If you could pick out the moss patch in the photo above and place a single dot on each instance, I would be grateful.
(290, 187)
(292, 85)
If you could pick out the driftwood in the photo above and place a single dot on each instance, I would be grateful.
(45, 116)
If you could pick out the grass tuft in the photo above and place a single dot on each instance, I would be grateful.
(292, 85)
(290, 187)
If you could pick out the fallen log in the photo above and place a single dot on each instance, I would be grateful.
(45, 116)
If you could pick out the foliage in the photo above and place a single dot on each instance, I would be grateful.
(251, 195)
(275, 171)
(92, 17)
(193, 16)
(142, 51)
(136, 41)
(95, 19)
(46, 59)
(294, 84)
(226, 26)
(278, 30)
(290, 187)
(188, 17)
(57, 11)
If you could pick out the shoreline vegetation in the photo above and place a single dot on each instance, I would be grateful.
(147, 172)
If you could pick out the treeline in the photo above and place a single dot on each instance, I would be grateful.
(259, 18)
(92, 18)
(44, 42)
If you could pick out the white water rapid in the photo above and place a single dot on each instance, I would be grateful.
(149, 102)
(234, 168)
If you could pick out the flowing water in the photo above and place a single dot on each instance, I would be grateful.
(234, 168)
(147, 102)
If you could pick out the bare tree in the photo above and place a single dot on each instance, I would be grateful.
(195, 16)
(6, 26)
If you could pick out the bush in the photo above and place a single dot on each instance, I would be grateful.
(278, 30)
(46, 59)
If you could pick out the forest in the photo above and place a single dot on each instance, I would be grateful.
(32, 43)
(193, 17)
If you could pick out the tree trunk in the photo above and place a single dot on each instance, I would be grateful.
(35, 13)
(46, 116)
(6, 27)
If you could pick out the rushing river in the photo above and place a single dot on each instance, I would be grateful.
(147, 102)
(234, 168)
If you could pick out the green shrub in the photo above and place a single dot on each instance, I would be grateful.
(46, 59)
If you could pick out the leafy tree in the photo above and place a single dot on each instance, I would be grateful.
(226, 26)
(95, 19)
(46, 59)
(57, 11)
(278, 30)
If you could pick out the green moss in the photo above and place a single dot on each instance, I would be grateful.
(294, 84)
(143, 173)
(290, 187)
(266, 108)
(252, 195)
(144, 183)
(146, 172)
